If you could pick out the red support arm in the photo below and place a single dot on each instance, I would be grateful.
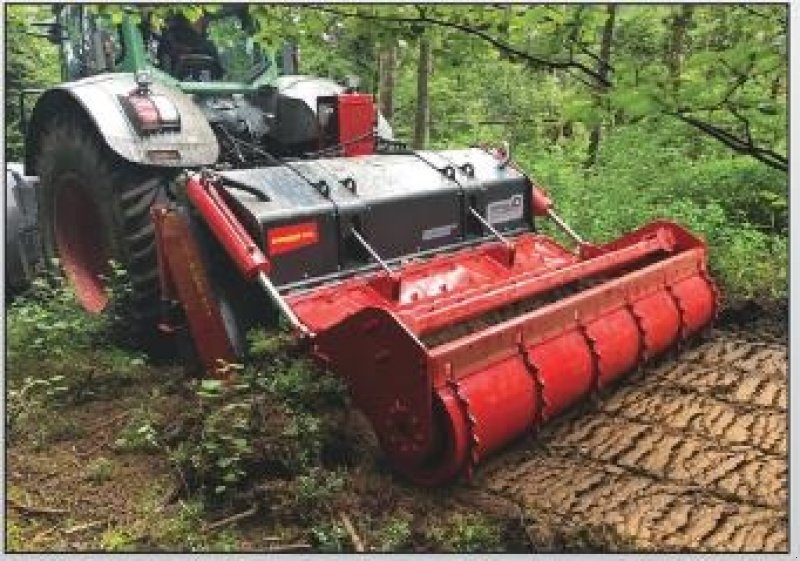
(206, 198)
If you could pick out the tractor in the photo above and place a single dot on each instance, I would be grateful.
(238, 193)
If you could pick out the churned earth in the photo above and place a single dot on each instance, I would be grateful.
(687, 454)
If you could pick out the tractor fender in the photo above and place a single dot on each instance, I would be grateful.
(97, 98)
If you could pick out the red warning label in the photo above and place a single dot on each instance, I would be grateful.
(289, 238)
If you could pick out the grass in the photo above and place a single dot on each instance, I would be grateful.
(465, 533)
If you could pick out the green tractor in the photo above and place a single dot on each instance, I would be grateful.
(417, 276)
(103, 155)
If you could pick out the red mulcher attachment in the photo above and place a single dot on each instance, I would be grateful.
(477, 350)
(453, 356)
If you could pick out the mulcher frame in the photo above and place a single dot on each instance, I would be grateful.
(439, 408)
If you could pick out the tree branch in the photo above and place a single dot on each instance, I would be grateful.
(737, 144)
(510, 50)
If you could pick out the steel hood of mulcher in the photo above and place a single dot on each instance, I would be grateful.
(453, 355)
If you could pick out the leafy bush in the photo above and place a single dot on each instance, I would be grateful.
(395, 533)
(315, 487)
(140, 433)
(27, 405)
(268, 419)
(48, 321)
(329, 537)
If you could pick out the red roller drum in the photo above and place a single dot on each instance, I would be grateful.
(696, 299)
(504, 368)
(564, 365)
(502, 402)
(660, 320)
(616, 342)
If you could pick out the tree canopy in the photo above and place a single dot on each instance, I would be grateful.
(689, 100)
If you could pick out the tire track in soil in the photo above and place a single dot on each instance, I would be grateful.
(688, 454)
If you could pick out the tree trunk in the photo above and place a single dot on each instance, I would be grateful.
(677, 45)
(422, 120)
(603, 70)
(387, 63)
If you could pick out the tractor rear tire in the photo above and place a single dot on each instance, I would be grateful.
(95, 207)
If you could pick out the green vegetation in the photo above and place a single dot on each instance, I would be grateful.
(683, 117)
(625, 113)
(270, 415)
(61, 356)
(100, 470)
(395, 534)
(466, 533)
(140, 433)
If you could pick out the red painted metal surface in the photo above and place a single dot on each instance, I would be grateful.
(184, 277)
(540, 202)
(208, 201)
(594, 317)
(82, 245)
(357, 116)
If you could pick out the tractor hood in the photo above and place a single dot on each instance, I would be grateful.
(297, 107)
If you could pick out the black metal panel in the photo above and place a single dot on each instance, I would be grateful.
(401, 204)
(288, 200)
(501, 195)
(397, 202)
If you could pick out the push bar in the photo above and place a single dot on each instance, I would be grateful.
(543, 206)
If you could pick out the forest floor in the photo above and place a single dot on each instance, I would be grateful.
(687, 454)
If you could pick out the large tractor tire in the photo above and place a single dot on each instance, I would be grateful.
(93, 208)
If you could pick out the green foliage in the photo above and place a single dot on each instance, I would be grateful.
(181, 530)
(14, 538)
(117, 539)
(31, 62)
(48, 320)
(58, 354)
(646, 171)
(215, 453)
(268, 418)
(465, 533)
(27, 404)
(395, 533)
(317, 487)
(140, 433)
(329, 537)
(100, 470)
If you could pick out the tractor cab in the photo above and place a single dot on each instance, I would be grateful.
(214, 48)
(184, 50)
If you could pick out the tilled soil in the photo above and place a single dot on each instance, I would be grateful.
(689, 454)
